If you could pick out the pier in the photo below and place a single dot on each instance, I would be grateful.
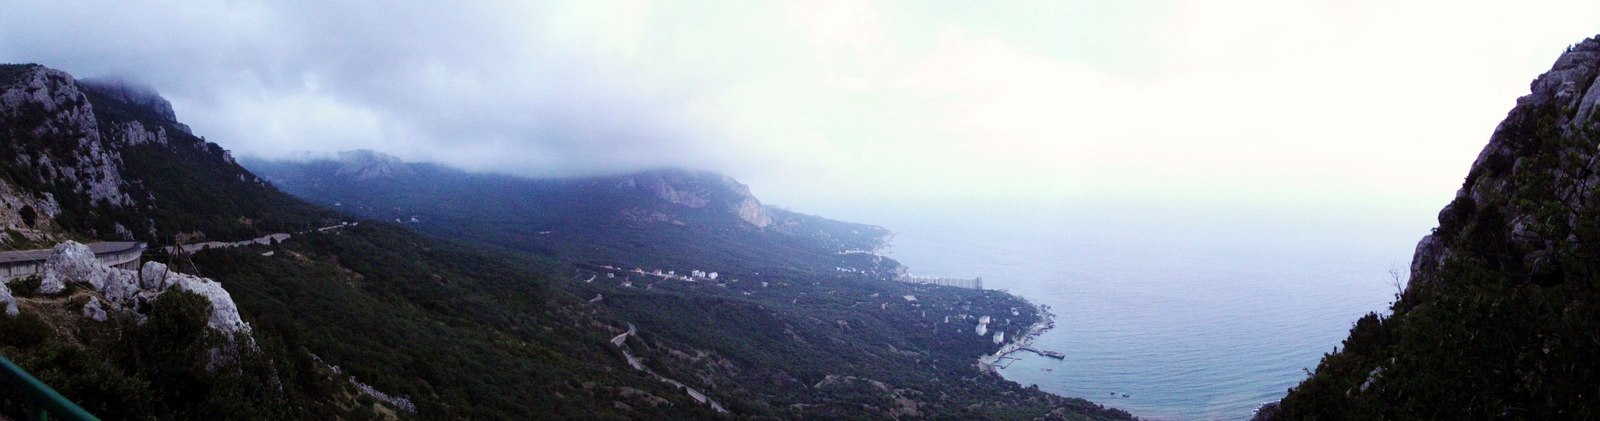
(1045, 352)
(974, 283)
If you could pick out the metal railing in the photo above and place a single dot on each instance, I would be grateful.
(43, 401)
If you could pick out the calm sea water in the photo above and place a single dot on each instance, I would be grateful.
(1193, 313)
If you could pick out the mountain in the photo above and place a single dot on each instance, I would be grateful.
(1501, 317)
(99, 162)
(801, 318)
(352, 318)
(347, 322)
(662, 218)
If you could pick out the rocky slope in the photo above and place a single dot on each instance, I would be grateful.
(1501, 317)
(109, 161)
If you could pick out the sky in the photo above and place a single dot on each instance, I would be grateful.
(822, 104)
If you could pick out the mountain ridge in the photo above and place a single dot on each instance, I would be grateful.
(610, 213)
(377, 320)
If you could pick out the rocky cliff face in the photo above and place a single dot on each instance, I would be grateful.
(105, 159)
(699, 190)
(366, 165)
(47, 105)
(1501, 317)
(1535, 182)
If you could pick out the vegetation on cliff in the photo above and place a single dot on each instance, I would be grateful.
(1501, 318)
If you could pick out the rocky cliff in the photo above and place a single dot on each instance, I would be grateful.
(366, 164)
(1501, 317)
(107, 159)
(55, 141)
(701, 189)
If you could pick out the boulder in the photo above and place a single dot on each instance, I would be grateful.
(73, 263)
(153, 276)
(224, 313)
(9, 301)
(94, 310)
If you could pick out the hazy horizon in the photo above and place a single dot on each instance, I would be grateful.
(850, 105)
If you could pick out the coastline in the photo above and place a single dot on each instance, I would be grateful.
(1047, 321)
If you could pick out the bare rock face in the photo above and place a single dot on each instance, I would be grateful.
(153, 276)
(753, 212)
(28, 213)
(94, 310)
(224, 312)
(9, 301)
(135, 133)
(698, 190)
(1539, 153)
(49, 102)
(366, 164)
(73, 263)
(1570, 83)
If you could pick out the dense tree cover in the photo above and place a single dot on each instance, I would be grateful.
(463, 331)
(169, 366)
(774, 352)
(764, 351)
(760, 350)
(469, 333)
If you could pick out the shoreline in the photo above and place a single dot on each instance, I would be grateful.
(1047, 321)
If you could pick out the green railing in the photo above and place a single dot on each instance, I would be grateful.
(45, 401)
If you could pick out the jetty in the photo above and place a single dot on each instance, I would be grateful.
(974, 283)
(1045, 352)
(1003, 359)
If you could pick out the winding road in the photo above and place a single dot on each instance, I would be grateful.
(633, 361)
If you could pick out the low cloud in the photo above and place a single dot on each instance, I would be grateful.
(817, 102)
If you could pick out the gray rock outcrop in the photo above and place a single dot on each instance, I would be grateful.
(50, 102)
(135, 133)
(94, 310)
(73, 263)
(7, 300)
(697, 190)
(366, 164)
(1561, 106)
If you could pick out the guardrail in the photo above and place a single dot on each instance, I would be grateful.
(43, 400)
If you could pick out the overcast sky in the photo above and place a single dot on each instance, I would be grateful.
(815, 103)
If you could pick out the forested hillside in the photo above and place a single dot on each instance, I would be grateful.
(350, 318)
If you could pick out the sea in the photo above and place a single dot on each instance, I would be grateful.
(1170, 310)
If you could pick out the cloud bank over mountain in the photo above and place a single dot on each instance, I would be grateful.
(1239, 100)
